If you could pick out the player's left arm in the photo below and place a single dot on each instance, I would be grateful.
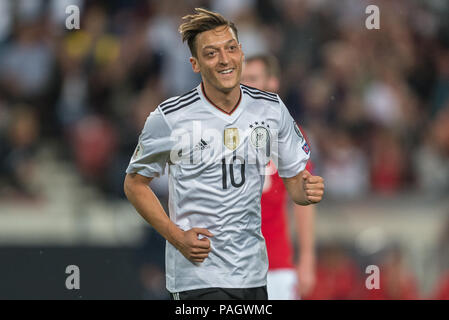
(305, 238)
(292, 154)
(304, 188)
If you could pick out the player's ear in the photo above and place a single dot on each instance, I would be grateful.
(195, 64)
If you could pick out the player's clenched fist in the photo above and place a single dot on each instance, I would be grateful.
(193, 248)
(313, 187)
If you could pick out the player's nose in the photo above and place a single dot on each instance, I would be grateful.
(223, 57)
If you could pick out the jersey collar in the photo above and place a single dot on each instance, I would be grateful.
(216, 109)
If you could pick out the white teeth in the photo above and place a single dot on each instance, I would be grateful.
(226, 71)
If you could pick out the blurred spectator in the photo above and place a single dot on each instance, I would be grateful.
(252, 40)
(128, 131)
(5, 19)
(29, 10)
(232, 9)
(441, 255)
(26, 63)
(397, 282)
(441, 89)
(345, 167)
(338, 275)
(431, 159)
(17, 153)
(442, 288)
(163, 37)
(381, 105)
(73, 98)
(388, 162)
(94, 141)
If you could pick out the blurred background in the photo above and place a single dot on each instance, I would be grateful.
(374, 103)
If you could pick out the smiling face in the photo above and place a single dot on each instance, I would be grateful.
(219, 58)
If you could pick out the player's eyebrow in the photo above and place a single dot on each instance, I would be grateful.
(215, 47)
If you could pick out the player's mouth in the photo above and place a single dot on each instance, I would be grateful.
(226, 71)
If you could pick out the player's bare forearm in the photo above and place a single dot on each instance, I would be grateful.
(147, 204)
(305, 230)
(305, 237)
(305, 189)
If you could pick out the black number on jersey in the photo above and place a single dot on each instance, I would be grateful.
(231, 172)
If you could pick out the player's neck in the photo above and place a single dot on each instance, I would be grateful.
(224, 100)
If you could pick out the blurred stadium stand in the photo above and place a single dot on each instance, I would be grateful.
(375, 104)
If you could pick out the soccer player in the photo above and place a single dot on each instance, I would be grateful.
(217, 140)
(262, 72)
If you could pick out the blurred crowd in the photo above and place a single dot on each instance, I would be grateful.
(374, 103)
(344, 274)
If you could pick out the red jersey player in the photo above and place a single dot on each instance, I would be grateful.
(282, 283)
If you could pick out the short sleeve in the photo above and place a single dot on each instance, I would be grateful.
(293, 152)
(153, 148)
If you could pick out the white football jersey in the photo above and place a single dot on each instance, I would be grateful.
(217, 164)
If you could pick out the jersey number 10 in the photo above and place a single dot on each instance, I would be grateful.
(231, 172)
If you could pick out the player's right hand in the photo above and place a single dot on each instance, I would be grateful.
(193, 248)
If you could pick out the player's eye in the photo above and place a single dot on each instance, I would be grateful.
(210, 53)
(232, 48)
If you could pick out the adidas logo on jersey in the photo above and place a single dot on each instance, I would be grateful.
(201, 145)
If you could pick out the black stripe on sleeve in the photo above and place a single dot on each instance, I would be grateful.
(254, 96)
(174, 105)
(185, 102)
(179, 99)
(182, 105)
(255, 90)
